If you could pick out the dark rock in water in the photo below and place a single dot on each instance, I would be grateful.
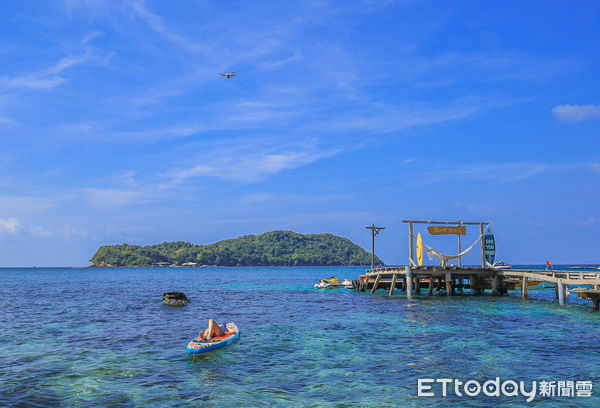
(175, 299)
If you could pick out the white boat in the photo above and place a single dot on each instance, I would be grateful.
(325, 285)
(347, 283)
(501, 265)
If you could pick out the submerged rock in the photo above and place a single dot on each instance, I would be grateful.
(175, 299)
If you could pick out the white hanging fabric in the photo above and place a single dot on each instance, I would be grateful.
(433, 252)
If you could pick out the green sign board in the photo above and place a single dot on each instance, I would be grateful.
(490, 246)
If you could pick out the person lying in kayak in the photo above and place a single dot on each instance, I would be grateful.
(213, 330)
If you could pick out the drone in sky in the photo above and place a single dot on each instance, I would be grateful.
(228, 75)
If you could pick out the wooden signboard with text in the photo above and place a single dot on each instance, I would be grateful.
(443, 230)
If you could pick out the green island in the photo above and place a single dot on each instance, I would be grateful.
(275, 248)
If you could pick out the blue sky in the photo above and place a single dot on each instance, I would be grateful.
(116, 127)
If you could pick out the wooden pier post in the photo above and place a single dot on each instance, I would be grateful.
(376, 283)
(473, 284)
(448, 283)
(408, 273)
(524, 287)
(561, 292)
(495, 285)
(431, 285)
(393, 285)
(460, 257)
(482, 242)
(418, 285)
(411, 244)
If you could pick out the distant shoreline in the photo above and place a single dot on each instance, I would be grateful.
(570, 266)
(275, 248)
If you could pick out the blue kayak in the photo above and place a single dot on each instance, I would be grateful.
(199, 346)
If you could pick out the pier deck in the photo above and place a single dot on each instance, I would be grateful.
(479, 279)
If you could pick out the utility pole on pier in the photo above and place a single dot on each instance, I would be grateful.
(374, 231)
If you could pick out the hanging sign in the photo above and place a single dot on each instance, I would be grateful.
(444, 230)
(490, 245)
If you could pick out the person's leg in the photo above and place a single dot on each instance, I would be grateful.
(213, 329)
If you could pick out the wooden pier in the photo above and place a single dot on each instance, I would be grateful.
(437, 278)
(589, 294)
(477, 280)
(415, 277)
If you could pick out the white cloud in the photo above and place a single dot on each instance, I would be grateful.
(51, 77)
(9, 225)
(27, 204)
(588, 222)
(576, 113)
(595, 167)
(380, 118)
(500, 172)
(250, 161)
(157, 24)
(153, 135)
(259, 198)
(40, 231)
(68, 231)
(113, 197)
(44, 79)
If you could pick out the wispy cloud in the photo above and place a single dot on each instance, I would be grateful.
(70, 232)
(588, 222)
(475, 209)
(251, 161)
(44, 79)
(259, 198)
(40, 231)
(157, 23)
(384, 119)
(9, 225)
(50, 77)
(502, 172)
(576, 113)
(278, 63)
(113, 197)
(26, 204)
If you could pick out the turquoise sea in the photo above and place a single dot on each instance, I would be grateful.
(95, 337)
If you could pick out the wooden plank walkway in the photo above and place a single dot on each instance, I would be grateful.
(479, 279)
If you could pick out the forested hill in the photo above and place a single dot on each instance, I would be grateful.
(276, 248)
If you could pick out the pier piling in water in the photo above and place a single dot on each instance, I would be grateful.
(408, 279)
(561, 292)
(393, 285)
(448, 284)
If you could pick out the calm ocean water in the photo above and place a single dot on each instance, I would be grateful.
(95, 337)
